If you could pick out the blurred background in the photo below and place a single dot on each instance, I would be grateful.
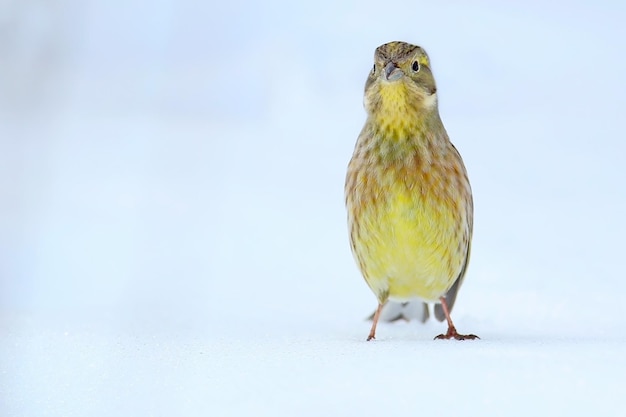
(179, 164)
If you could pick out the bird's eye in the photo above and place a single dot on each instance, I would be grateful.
(416, 66)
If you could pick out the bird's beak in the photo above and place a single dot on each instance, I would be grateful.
(392, 72)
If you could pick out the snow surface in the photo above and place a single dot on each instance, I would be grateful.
(172, 229)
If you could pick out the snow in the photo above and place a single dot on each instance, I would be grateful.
(320, 370)
(173, 237)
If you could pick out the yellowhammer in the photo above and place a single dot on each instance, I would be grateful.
(409, 201)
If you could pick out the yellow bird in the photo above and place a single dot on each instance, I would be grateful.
(409, 201)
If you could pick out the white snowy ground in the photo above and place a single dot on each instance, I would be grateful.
(172, 229)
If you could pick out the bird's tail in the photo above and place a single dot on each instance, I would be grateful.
(417, 309)
(410, 310)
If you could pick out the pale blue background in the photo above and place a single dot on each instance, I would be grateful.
(177, 168)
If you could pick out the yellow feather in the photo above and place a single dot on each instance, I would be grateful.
(408, 197)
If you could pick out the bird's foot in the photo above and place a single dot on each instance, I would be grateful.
(453, 334)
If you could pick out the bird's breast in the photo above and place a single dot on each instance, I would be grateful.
(407, 220)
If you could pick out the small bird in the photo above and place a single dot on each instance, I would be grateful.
(408, 197)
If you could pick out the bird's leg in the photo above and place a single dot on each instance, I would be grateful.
(372, 334)
(452, 333)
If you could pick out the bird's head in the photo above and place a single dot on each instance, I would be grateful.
(400, 80)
